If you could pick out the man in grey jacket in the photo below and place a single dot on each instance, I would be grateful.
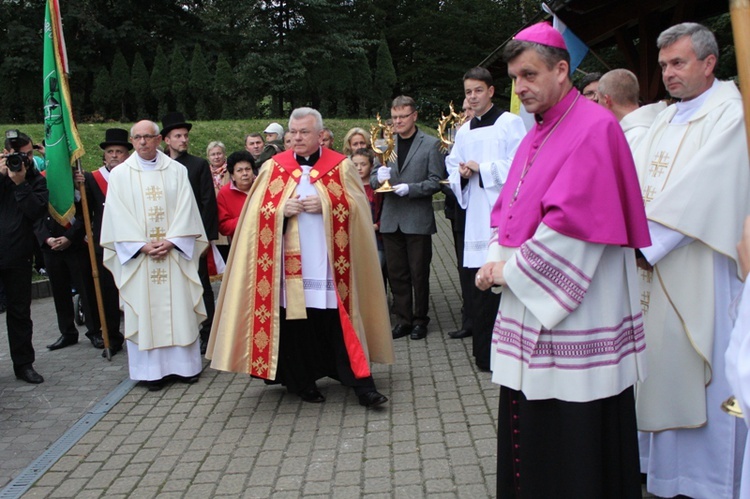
(407, 221)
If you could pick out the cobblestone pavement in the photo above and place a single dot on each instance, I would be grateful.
(232, 436)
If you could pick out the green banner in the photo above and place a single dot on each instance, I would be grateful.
(62, 143)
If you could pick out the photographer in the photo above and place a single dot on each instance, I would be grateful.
(23, 200)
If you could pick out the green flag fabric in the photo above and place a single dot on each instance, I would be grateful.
(62, 143)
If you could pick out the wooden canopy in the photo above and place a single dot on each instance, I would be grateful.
(632, 26)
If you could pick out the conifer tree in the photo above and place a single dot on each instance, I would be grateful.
(178, 75)
(120, 84)
(160, 83)
(139, 85)
(385, 76)
(225, 88)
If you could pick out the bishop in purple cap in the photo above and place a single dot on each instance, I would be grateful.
(568, 343)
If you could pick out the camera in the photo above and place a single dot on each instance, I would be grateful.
(16, 160)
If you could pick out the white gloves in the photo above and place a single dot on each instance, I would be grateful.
(384, 173)
(400, 189)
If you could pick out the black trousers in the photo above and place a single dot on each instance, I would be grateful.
(465, 279)
(70, 269)
(313, 348)
(110, 303)
(482, 306)
(408, 257)
(16, 278)
(208, 296)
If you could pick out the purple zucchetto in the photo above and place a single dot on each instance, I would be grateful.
(543, 34)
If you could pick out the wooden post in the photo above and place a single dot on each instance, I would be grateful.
(94, 266)
(740, 14)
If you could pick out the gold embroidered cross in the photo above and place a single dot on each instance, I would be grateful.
(648, 196)
(158, 276)
(660, 163)
(265, 262)
(341, 213)
(156, 214)
(341, 265)
(156, 234)
(268, 209)
(645, 299)
(646, 275)
(153, 193)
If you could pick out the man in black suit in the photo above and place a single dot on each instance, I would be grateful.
(407, 221)
(116, 147)
(175, 131)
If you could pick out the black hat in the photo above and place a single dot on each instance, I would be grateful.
(173, 120)
(116, 137)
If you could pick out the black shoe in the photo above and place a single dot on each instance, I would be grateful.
(204, 345)
(96, 339)
(372, 399)
(155, 385)
(461, 333)
(63, 341)
(190, 380)
(29, 375)
(113, 349)
(485, 368)
(400, 331)
(419, 332)
(312, 395)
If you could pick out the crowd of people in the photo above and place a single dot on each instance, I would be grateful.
(597, 253)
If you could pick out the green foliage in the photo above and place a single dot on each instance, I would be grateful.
(120, 83)
(224, 88)
(101, 96)
(346, 57)
(160, 83)
(385, 77)
(140, 87)
(200, 84)
(178, 75)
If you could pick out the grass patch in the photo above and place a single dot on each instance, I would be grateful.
(230, 132)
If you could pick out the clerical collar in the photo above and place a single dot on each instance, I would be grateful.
(310, 160)
(147, 164)
(686, 109)
(487, 119)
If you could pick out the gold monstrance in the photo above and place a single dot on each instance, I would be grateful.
(383, 144)
(447, 128)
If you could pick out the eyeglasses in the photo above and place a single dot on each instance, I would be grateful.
(137, 138)
(403, 116)
(591, 95)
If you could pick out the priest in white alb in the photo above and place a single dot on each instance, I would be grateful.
(694, 176)
(152, 237)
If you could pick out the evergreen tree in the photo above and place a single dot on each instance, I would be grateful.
(120, 84)
(160, 83)
(101, 95)
(362, 98)
(140, 86)
(225, 88)
(385, 77)
(178, 74)
(200, 83)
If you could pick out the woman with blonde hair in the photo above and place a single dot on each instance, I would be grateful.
(356, 138)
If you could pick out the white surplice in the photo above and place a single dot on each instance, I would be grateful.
(550, 342)
(493, 148)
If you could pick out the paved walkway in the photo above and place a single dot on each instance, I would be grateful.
(232, 436)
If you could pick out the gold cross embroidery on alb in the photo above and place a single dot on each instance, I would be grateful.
(659, 164)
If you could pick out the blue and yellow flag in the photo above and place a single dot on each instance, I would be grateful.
(62, 143)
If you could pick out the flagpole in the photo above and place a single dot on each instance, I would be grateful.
(740, 15)
(94, 265)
